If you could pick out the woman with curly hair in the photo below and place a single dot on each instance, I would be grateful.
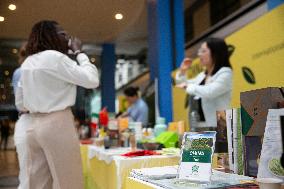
(47, 90)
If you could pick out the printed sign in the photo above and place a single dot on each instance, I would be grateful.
(196, 158)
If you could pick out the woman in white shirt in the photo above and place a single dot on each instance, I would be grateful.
(213, 86)
(47, 90)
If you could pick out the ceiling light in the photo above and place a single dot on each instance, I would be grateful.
(2, 19)
(12, 7)
(3, 97)
(118, 16)
(15, 51)
(93, 59)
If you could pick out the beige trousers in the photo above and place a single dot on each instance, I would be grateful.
(54, 160)
(21, 146)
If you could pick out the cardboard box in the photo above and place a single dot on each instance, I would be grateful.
(254, 108)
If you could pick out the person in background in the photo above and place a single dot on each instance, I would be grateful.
(17, 73)
(21, 126)
(138, 109)
(5, 132)
(47, 90)
(212, 87)
(77, 125)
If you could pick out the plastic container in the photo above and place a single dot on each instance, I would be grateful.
(160, 126)
(132, 141)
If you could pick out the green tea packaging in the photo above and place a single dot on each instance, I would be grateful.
(196, 156)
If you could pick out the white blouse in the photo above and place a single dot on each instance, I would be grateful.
(49, 79)
(215, 94)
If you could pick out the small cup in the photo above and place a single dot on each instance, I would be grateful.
(269, 183)
(132, 141)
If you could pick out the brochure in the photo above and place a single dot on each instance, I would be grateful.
(269, 165)
(196, 156)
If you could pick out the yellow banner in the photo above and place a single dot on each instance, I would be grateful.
(257, 59)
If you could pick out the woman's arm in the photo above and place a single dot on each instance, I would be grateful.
(221, 85)
(85, 74)
(181, 78)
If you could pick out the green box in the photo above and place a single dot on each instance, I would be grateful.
(168, 139)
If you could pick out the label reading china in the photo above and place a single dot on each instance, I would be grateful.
(196, 156)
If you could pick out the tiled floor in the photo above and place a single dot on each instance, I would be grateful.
(9, 169)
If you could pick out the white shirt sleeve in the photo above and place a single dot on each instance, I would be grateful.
(181, 78)
(85, 74)
(19, 101)
(221, 85)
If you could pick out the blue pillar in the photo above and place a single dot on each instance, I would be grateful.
(274, 3)
(178, 31)
(107, 77)
(152, 39)
(166, 47)
(165, 59)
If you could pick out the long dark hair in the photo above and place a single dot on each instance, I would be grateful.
(44, 36)
(219, 53)
(22, 53)
(131, 91)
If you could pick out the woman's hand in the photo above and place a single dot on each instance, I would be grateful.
(185, 65)
(182, 85)
(75, 45)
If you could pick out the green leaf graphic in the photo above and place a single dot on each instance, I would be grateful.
(275, 167)
(231, 49)
(247, 121)
(248, 75)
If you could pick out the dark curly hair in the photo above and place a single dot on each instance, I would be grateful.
(44, 36)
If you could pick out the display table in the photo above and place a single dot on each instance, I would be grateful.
(139, 184)
(154, 178)
(106, 169)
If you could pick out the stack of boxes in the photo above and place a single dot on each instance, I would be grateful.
(254, 109)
